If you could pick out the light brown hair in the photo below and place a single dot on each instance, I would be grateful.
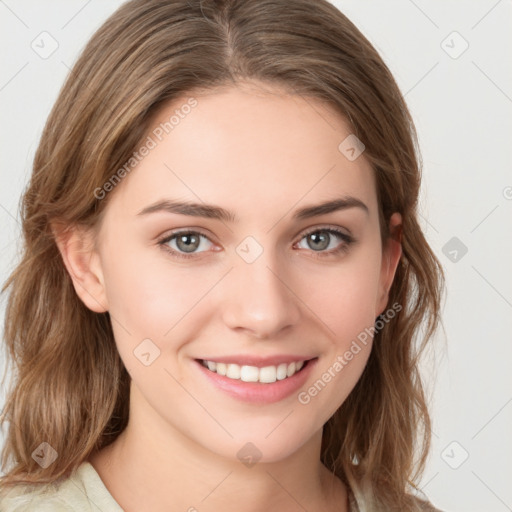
(70, 387)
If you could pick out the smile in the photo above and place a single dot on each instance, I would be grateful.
(245, 373)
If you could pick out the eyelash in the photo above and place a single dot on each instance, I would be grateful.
(343, 248)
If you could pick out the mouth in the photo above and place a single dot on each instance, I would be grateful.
(255, 380)
(246, 373)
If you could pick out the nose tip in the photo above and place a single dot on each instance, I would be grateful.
(260, 302)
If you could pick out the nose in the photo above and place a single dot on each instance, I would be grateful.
(259, 299)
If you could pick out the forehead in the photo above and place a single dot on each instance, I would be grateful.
(249, 149)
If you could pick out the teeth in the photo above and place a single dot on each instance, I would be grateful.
(249, 374)
(281, 371)
(267, 374)
(233, 371)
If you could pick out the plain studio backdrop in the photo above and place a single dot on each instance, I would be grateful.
(451, 60)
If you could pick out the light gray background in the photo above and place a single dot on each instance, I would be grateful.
(462, 105)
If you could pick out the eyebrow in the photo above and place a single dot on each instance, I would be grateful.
(210, 211)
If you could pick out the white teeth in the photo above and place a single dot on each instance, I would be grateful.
(281, 371)
(233, 371)
(249, 374)
(266, 375)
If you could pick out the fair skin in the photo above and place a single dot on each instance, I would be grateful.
(261, 154)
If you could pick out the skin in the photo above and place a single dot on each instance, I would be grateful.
(261, 153)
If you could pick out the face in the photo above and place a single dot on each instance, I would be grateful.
(253, 281)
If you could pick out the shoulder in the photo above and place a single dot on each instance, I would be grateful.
(32, 498)
(416, 504)
(84, 491)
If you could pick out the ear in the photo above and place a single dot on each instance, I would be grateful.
(391, 253)
(77, 248)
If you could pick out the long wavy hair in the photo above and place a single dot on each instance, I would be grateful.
(70, 387)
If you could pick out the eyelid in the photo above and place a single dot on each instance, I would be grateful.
(174, 232)
(321, 227)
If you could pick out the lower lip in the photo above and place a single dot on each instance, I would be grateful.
(257, 392)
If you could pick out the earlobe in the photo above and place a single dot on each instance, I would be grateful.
(76, 246)
(391, 255)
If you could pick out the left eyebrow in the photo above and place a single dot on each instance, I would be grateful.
(334, 205)
(210, 211)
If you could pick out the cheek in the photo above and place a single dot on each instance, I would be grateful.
(159, 302)
(345, 301)
(344, 297)
(150, 296)
(351, 315)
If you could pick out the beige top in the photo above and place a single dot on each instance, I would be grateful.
(84, 491)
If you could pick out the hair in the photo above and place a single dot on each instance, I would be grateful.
(71, 388)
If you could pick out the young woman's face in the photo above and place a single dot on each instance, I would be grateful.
(210, 250)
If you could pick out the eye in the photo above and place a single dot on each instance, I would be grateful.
(321, 239)
(187, 243)
(184, 244)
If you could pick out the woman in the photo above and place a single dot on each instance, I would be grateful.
(223, 276)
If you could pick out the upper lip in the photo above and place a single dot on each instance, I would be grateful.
(258, 361)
